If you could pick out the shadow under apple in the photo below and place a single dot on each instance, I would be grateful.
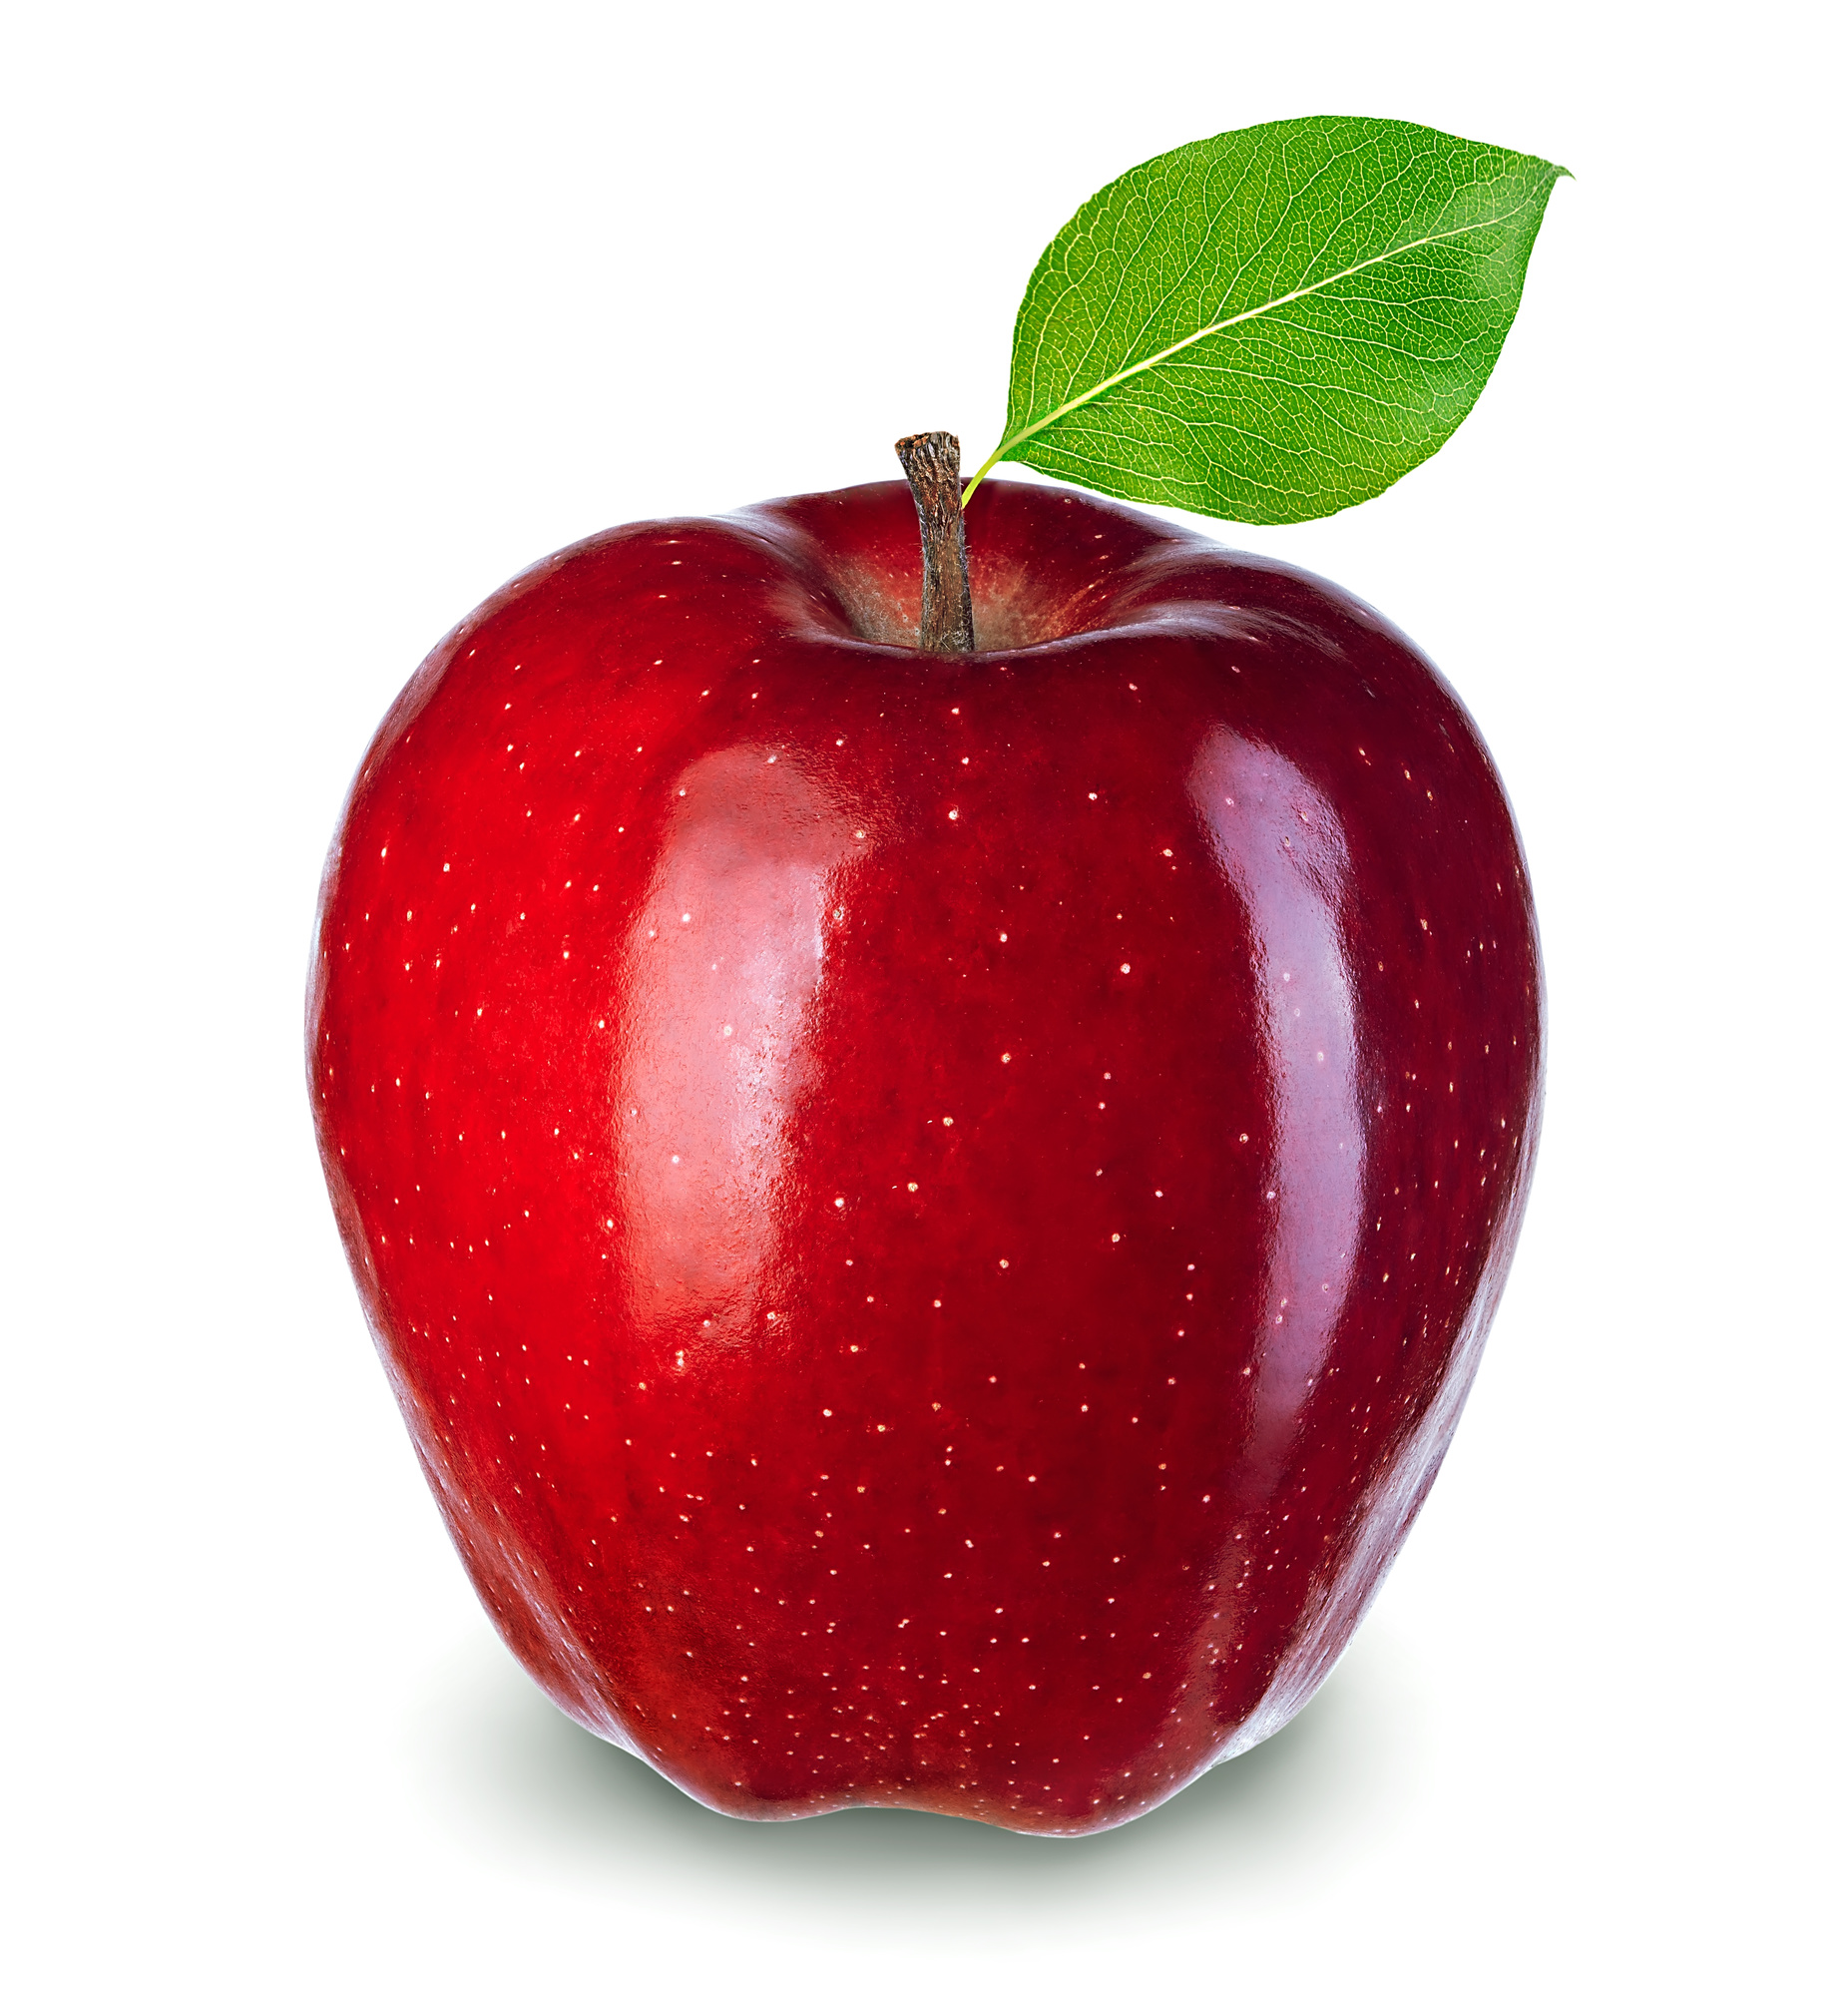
(501, 1764)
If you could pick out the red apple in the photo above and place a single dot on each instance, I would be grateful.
(930, 1218)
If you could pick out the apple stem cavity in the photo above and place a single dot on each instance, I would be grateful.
(933, 464)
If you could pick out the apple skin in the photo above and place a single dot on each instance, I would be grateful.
(930, 1218)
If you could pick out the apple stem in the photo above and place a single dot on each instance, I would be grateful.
(933, 464)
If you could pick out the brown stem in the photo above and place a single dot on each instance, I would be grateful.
(933, 464)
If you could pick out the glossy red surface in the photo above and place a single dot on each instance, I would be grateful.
(930, 1218)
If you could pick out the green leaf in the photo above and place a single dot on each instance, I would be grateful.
(1274, 323)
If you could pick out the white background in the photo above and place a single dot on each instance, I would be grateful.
(324, 321)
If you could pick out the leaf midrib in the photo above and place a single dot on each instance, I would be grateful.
(1020, 436)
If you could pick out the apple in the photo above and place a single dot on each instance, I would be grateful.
(930, 1215)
